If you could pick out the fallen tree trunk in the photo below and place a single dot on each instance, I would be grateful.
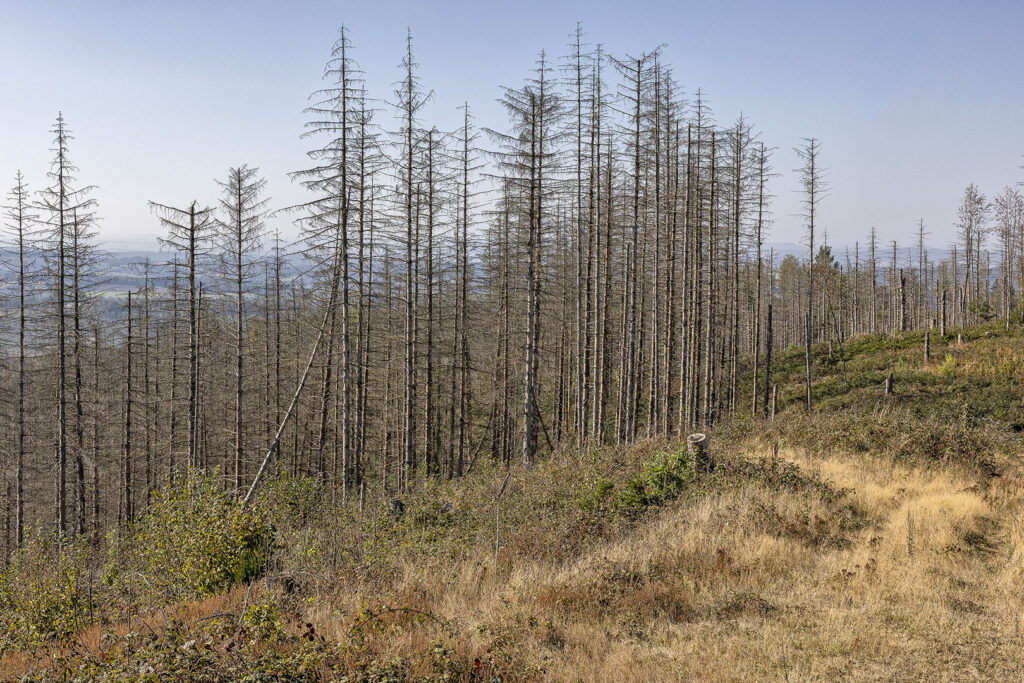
(291, 408)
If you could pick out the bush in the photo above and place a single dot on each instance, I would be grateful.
(599, 497)
(194, 540)
(42, 592)
(292, 499)
(662, 479)
(264, 621)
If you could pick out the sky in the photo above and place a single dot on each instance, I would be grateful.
(911, 100)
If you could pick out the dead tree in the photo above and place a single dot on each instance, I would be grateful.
(812, 179)
(239, 233)
(189, 231)
(533, 111)
(409, 100)
(65, 208)
(127, 501)
(19, 221)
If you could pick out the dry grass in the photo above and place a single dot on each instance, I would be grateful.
(94, 639)
(716, 589)
(708, 590)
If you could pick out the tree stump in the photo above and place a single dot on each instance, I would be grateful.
(697, 449)
(927, 347)
(888, 385)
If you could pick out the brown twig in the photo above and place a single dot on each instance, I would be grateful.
(393, 610)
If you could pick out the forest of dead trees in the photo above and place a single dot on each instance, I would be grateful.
(593, 271)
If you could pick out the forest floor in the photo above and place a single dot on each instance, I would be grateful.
(879, 538)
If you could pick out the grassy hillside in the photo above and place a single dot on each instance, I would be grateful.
(877, 538)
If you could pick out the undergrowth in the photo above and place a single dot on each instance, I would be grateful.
(192, 541)
(956, 413)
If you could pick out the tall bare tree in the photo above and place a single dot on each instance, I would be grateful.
(20, 225)
(190, 231)
(239, 233)
(814, 186)
(66, 209)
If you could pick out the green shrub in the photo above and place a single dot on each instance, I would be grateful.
(663, 478)
(194, 540)
(948, 366)
(264, 621)
(43, 592)
(982, 309)
(598, 498)
(292, 499)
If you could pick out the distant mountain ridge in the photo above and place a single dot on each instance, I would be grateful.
(904, 254)
(123, 258)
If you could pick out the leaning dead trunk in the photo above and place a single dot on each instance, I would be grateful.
(291, 408)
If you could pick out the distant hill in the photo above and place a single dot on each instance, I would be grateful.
(904, 255)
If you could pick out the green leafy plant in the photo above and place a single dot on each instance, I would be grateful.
(264, 620)
(194, 540)
(292, 498)
(663, 478)
(43, 591)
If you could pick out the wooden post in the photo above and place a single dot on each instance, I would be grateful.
(910, 533)
(888, 385)
(927, 347)
(697, 449)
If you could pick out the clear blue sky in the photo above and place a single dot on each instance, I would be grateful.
(912, 100)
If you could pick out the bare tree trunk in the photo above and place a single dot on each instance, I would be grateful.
(813, 186)
(768, 357)
(96, 436)
(761, 163)
(532, 248)
(18, 213)
(128, 512)
(432, 466)
(464, 406)
(942, 315)
(147, 399)
(409, 444)
(193, 349)
(61, 454)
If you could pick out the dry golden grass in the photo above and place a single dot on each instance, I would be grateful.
(703, 592)
(913, 574)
